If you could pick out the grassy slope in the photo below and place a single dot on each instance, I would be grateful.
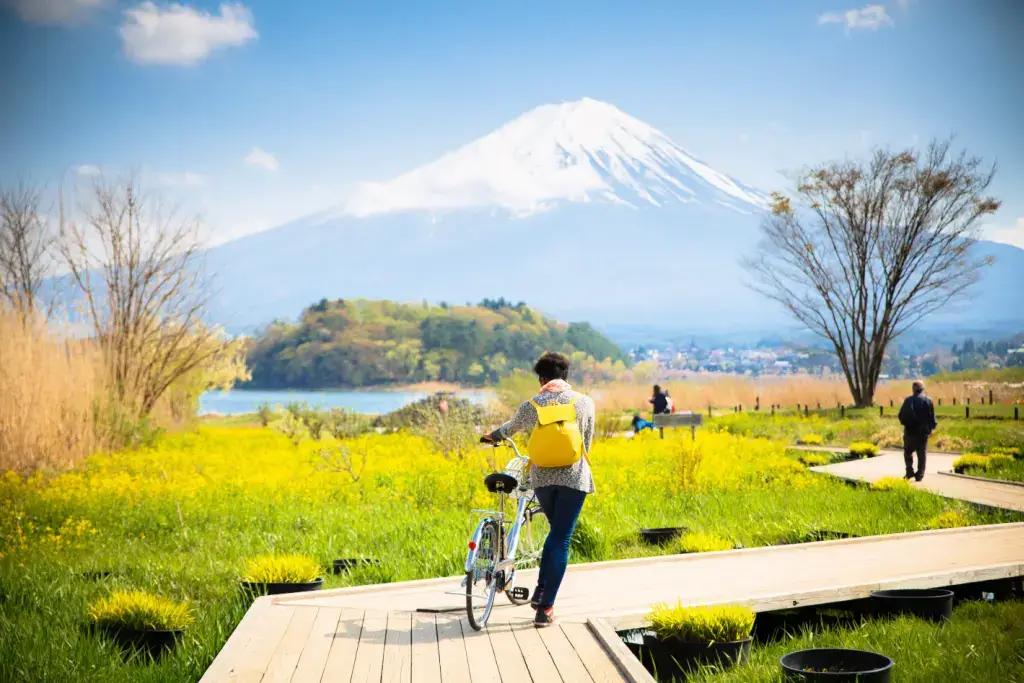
(180, 519)
(983, 644)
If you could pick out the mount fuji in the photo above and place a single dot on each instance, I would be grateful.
(576, 208)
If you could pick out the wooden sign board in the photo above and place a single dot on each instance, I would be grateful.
(691, 420)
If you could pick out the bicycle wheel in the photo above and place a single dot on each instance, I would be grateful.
(481, 578)
(527, 555)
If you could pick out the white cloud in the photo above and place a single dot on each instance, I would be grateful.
(53, 11)
(185, 179)
(1013, 235)
(183, 35)
(87, 170)
(264, 160)
(871, 17)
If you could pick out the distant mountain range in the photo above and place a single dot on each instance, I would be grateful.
(577, 208)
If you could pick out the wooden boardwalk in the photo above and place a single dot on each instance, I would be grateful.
(938, 478)
(379, 633)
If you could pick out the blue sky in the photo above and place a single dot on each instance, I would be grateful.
(261, 112)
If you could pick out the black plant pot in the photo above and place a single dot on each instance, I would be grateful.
(772, 626)
(673, 658)
(662, 535)
(257, 589)
(833, 665)
(928, 603)
(348, 563)
(152, 643)
(826, 535)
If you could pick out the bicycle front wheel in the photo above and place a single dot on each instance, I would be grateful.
(481, 577)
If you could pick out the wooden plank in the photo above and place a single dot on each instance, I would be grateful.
(599, 664)
(426, 655)
(345, 646)
(480, 655)
(236, 643)
(451, 646)
(538, 659)
(286, 657)
(629, 665)
(567, 661)
(511, 664)
(398, 649)
(679, 420)
(318, 646)
(254, 660)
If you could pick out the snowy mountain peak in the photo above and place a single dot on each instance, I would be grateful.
(581, 151)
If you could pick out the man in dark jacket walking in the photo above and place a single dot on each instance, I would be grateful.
(917, 415)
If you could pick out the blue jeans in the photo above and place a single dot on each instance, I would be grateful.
(562, 507)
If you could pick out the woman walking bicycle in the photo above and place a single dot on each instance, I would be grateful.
(562, 424)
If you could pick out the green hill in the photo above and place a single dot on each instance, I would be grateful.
(362, 343)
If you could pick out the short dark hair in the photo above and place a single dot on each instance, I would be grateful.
(552, 366)
(657, 388)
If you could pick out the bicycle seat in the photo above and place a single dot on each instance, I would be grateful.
(499, 482)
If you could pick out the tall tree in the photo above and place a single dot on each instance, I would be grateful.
(870, 248)
(137, 268)
(26, 258)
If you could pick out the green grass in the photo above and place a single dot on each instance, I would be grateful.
(180, 520)
(983, 644)
(1003, 468)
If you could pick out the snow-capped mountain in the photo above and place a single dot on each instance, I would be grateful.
(582, 151)
(636, 228)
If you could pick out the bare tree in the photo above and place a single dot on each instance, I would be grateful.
(139, 273)
(874, 247)
(26, 258)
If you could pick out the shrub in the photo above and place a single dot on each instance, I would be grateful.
(715, 623)
(863, 449)
(314, 420)
(607, 425)
(950, 519)
(291, 426)
(971, 461)
(701, 542)
(264, 413)
(890, 484)
(343, 424)
(888, 437)
(811, 440)
(139, 610)
(947, 443)
(814, 459)
(281, 569)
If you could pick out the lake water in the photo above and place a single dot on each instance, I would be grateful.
(238, 401)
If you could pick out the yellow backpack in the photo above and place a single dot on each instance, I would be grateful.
(556, 440)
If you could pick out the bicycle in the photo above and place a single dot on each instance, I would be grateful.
(497, 552)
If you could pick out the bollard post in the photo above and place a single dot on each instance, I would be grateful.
(954, 400)
(819, 405)
(709, 410)
(990, 401)
(842, 411)
(983, 399)
(880, 409)
(1016, 412)
(757, 403)
(967, 411)
(806, 411)
(773, 410)
(890, 403)
(940, 401)
(968, 400)
(662, 430)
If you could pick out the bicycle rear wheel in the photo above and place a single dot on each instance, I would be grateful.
(527, 556)
(481, 578)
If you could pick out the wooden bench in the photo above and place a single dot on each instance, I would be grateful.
(691, 420)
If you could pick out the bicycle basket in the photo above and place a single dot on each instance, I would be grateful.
(520, 469)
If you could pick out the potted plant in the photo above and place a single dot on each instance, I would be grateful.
(834, 665)
(703, 542)
(141, 621)
(863, 449)
(685, 637)
(276, 574)
(928, 603)
(970, 461)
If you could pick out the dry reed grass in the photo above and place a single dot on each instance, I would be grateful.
(50, 386)
(698, 392)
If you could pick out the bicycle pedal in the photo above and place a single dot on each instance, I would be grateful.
(519, 593)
